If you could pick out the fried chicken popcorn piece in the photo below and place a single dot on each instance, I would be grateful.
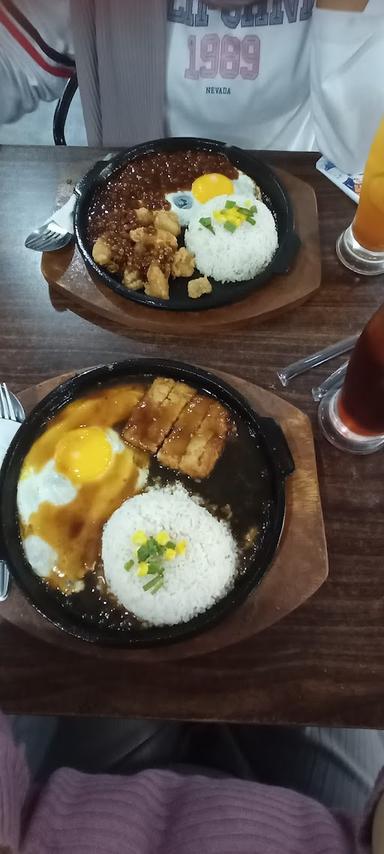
(139, 235)
(144, 216)
(183, 263)
(157, 284)
(153, 237)
(132, 280)
(101, 252)
(167, 221)
(197, 287)
(165, 237)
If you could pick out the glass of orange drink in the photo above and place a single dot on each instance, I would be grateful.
(361, 246)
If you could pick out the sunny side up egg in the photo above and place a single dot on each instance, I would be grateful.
(204, 188)
(75, 475)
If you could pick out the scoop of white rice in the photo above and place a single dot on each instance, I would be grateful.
(232, 256)
(193, 581)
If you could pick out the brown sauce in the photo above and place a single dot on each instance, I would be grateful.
(144, 183)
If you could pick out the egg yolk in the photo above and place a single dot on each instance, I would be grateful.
(83, 454)
(206, 187)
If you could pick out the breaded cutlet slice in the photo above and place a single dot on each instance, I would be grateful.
(152, 418)
(177, 441)
(207, 444)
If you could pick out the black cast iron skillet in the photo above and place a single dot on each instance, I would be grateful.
(273, 193)
(270, 463)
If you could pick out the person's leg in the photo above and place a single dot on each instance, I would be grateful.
(36, 734)
(116, 745)
(336, 766)
(104, 745)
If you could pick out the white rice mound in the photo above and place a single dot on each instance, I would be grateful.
(194, 581)
(232, 256)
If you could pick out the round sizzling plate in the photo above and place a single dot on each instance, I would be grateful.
(273, 193)
(264, 500)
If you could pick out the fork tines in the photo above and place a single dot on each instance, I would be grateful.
(6, 406)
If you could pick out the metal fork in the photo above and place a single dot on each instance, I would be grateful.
(12, 412)
(56, 231)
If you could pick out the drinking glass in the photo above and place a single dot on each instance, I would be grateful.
(352, 418)
(361, 246)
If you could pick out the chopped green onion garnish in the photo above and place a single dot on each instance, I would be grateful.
(142, 552)
(206, 222)
(129, 565)
(230, 204)
(149, 549)
(157, 586)
(247, 211)
(229, 226)
(170, 545)
(154, 568)
(251, 220)
(153, 583)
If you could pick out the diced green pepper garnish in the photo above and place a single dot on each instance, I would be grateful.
(129, 565)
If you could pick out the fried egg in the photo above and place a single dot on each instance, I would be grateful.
(74, 476)
(186, 203)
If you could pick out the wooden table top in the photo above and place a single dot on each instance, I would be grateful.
(325, 662)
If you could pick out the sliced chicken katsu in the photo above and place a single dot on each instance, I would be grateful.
(198, 456)
(176, 443)
(153, 417)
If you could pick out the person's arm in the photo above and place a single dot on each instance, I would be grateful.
(36, 57)
(347, 70)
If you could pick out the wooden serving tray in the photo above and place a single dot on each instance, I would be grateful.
(66, 274)
(299, 568)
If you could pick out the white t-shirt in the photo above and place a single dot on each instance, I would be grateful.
(241, 75)
(279, 74)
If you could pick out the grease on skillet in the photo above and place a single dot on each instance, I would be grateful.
(240, 490)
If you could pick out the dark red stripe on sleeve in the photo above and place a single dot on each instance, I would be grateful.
(50, 52)
(30, 49)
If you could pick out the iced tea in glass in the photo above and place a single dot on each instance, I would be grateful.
(352, 418)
